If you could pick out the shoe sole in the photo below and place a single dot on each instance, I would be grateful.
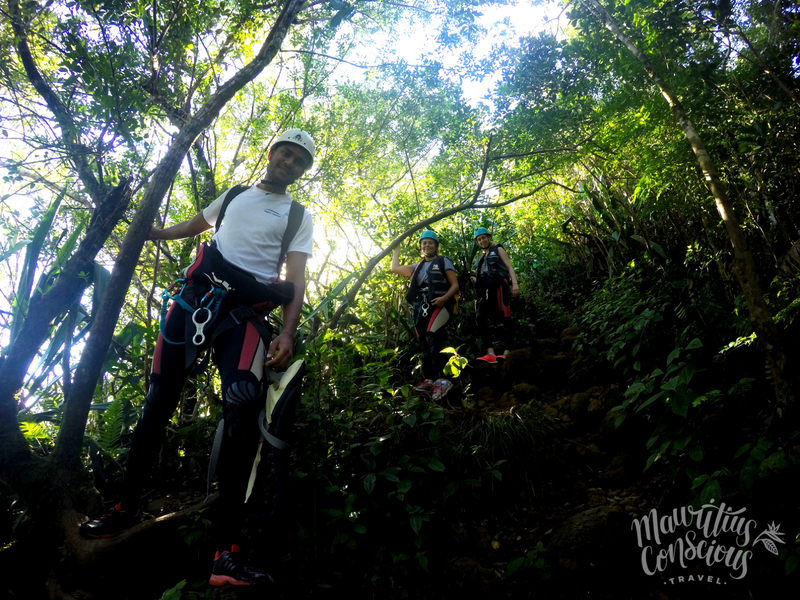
(219, 580)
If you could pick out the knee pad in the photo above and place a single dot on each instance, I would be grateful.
(242, 406)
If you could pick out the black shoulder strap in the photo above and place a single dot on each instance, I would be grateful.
(232, 193)
(295, 219)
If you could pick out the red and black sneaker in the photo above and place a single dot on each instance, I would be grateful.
(229, 568)
(111, 524)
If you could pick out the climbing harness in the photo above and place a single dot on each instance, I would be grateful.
(201, 316)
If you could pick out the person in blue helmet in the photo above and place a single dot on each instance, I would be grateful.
(496, 284)
(432, 291)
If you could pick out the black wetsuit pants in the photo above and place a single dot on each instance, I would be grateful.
(239, 354)
(432, 336)
(493, 316)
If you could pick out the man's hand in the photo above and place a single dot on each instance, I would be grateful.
(280, 351)
(515, 291)
(194, 226)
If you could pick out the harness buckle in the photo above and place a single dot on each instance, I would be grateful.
(200, 337)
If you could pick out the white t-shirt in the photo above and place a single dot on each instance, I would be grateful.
(252, 230)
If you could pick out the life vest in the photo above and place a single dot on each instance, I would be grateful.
(495, 265)
(435, 284)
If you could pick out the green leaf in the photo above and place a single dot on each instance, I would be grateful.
(653, 458)
(695, 343)
(686, 374)
(747, 475)
(174, 593)
(359, 528)
(711, 491)
(14, 249)
(436, 465)
(513, 566)
(391, 477)
(329, 297)
(650, 400)
(101, 277)
(340, 15)
(679, 402)
(658, 248)
(32, 252)
(791, 563)
(416, 523)
(741, 451)
(695, 453)
(763, 444)
(673, 355)
(369, 482)
(450, 489)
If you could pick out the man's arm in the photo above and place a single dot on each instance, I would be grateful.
(282, 347)
(194, 226)
(404, 270)
(501, 252)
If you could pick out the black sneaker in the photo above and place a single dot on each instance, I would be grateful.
(229, 568)
(111, 524)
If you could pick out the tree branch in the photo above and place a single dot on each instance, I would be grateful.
(373, 262)
(69, 131)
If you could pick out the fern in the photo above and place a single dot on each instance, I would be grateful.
(34, 431)
(111, 430)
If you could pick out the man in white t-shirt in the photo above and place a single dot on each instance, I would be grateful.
(249, 237)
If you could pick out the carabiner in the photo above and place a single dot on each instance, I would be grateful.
(199, 337)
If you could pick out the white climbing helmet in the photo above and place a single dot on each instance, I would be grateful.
(299, 137)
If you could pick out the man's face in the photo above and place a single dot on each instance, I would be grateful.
(287, 163)
(428, 247)
(484, 241)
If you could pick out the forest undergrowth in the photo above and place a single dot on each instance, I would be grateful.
(524, 481)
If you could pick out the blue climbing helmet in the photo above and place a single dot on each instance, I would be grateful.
(481, 231)
(428, 234)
